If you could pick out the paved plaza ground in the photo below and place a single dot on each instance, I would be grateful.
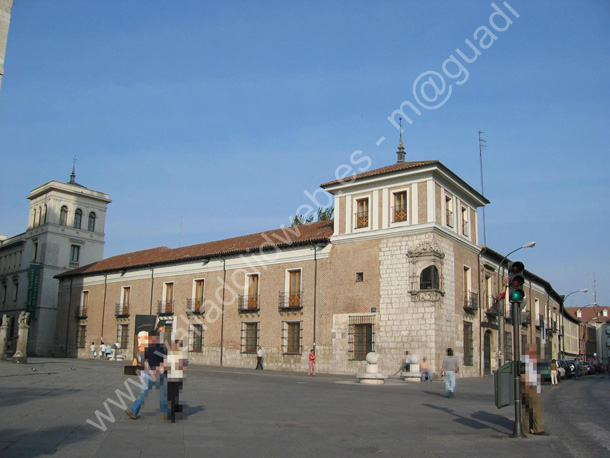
(45, 405)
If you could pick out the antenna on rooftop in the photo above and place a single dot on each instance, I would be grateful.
(481, 146)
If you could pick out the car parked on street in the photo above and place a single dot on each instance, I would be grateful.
(588, 368)
(596, 363)
(567, 367)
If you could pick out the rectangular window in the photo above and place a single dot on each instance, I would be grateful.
(35, 252)
(449, 210)
(468, 344)
(126, 296)
(523, 343)
(465, 228)
(199, 285)
(292, 337)
(4, 289)
(249, 337)
(362, 215)
(196, 337)
(84, 305)
(252, 291)
(122, 335)
(74, 255)
(15, 291)
(294, 297)
(168, 299)
(81, 337)
(363, 340)
(400, 207)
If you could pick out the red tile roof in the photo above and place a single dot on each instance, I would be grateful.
(382, 171)
(588, 313)
(281, 238)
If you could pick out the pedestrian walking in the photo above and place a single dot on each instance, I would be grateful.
(154, 357)
(108, 351)
(259, 358)
(175, 365)
(449, 368)
(102, 350)
(424, 370)
(553, 368)
(92, 350)
(312, 363)
(530, 394)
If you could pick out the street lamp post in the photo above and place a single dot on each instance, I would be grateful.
(563, 334)
(501, 308)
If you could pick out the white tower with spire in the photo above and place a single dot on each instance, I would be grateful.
(65, 231)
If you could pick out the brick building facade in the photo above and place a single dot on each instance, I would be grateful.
(399, 268)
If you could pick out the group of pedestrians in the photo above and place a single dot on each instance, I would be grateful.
(106, 352)
(162, 368)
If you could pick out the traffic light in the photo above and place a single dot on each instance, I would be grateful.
(515, 282)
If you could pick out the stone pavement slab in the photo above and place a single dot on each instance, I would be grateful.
(241, 412)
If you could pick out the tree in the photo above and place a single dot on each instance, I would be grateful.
(324, 214)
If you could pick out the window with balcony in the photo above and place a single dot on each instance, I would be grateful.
(166, 306)
(399, 211)
(468, 344)
(464, 221)
(195, 305)
(292, 298)
(63, 216)
(449, 210)
(429, 278)
(83, 308)
(78, 218)
(362, 213)
(292, 337)
(122, 308)
(251, 300)
(91, 222)
(81, 336)
(196, 337)
(249, 337)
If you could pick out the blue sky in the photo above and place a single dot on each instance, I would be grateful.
(223, 114)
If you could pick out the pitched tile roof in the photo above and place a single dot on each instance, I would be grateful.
(382, 171)
(589, 313)
(281, 238)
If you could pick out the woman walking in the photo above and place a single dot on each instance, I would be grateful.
(312, 363)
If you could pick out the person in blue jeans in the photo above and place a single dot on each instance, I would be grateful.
(154, 356)
(449, 368)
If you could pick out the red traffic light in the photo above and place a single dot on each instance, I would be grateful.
(516, 267)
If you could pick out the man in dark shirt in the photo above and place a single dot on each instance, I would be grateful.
(154, 356)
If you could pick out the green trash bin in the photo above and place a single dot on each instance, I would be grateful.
(504, 385)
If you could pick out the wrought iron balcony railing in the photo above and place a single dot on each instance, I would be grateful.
(471, 302)
(194, 306)
(249, 303)
(165, 307)
(291, 300)
(121, 309)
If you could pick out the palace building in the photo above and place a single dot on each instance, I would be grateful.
(65, 230)
(399, 268)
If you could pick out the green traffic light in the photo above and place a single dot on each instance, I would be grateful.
(517, 295)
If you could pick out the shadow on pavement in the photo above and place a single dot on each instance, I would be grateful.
(42, 442)
(470, 422)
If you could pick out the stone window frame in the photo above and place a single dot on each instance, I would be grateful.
(422, 257)
(356, 321)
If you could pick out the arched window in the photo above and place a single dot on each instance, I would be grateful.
(63, 216)
(34, 218)
(91, 225)
(44, 218)
(39, 217)
(429, 278)
(78, 218)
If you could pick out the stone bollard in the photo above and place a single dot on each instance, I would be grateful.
(372, 375)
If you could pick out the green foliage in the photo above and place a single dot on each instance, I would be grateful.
(323, 214)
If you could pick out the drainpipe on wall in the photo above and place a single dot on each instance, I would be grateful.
(104, 304)
(152, 284)
(222, 313)
(68, 320)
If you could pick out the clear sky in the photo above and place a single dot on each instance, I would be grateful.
(222, 114)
